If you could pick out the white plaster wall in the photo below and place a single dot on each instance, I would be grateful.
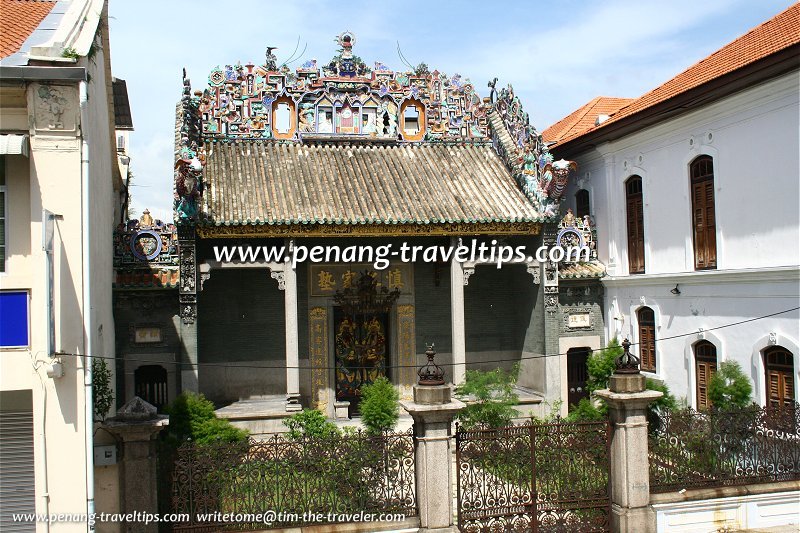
(709, 301)
(754, 138)
(730, 514)
(51, 179)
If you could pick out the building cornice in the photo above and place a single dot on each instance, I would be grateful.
(705, 277)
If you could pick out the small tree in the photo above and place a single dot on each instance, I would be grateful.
(379, 406)
(730, 387)
(490, 397)
(600, 365)
(102, 393)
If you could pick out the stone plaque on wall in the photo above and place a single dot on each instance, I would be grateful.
(579, 320)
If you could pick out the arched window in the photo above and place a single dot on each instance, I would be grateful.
(704, 225)
(647, 338)
(705, 365)
(634, 208)
(582, 203)
(779, 373)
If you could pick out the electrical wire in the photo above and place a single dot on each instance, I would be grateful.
(482, 362)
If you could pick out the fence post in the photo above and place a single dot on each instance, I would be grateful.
(627, 400)
(135, 426)
(433, 411)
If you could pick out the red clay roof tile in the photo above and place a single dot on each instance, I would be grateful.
(584, 117)
(18, 19)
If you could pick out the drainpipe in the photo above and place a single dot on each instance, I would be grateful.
(88, 307)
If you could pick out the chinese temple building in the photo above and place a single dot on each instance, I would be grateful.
(342, 154)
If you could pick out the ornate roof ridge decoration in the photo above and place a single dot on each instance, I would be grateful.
(146, 253)
(342, 97)
(189, 157)
(525, 154)
(576, 232)
(346, 102)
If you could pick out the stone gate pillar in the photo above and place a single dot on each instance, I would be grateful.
(627, 400)
(433, 411)
(136, 426)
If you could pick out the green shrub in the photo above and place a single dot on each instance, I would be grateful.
(587, 411)
(491, 398)
(730, 387)
(379, 406)
(191, 416)
(667, 402)
(600, 365)
(551, 410)
(102, 394)
(309, 423)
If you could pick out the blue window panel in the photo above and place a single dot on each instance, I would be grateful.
(13, 319)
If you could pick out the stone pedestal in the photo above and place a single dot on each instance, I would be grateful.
(432, 429)
(135, 427)
(630, 469)
(341, 410)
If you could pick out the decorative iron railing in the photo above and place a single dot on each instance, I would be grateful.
(290, 482)
(693, 449)
(534, 477)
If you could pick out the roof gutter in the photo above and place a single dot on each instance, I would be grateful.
(769, 67)
(37, 73)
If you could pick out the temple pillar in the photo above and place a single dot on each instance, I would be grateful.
(459, 339)
(187, 308)
(287, 282)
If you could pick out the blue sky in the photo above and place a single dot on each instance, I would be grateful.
(558, 55)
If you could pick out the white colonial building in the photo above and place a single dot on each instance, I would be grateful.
(60, 190)
(694, 187)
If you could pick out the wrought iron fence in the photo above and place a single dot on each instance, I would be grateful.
(692, 449)
(534, 477)
(284, 481)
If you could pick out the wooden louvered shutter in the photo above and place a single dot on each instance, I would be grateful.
(779, 370)
(774, 388)
(647, 339)
(635, 224)
(703, 214)
(705, 367)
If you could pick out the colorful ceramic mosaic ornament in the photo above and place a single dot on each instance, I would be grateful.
(346, 100)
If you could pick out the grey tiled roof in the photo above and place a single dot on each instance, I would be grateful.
(592, 269)
(265, 182)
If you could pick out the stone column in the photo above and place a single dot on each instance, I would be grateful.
(188, 358)
(630, 469)
(287, 282)
(459, 342)
(187, 308)
(136, 427)
(433, 411)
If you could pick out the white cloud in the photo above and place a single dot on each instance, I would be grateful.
(558, 55)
